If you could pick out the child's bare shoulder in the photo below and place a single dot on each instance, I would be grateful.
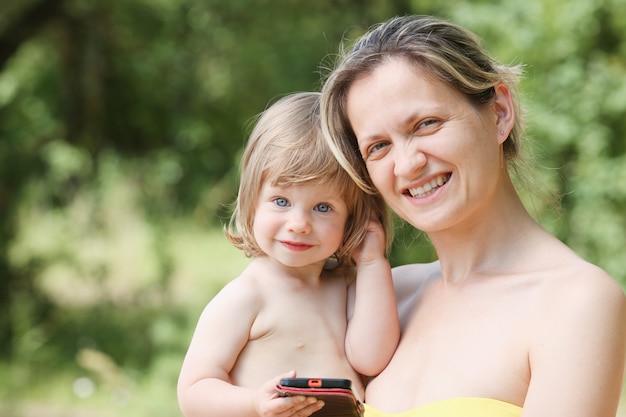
(241, 291)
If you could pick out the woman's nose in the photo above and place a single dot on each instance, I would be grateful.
(408, 160)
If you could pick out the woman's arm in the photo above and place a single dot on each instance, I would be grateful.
(577, 357)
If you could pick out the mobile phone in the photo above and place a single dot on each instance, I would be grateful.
(316, 383)
(339, 399)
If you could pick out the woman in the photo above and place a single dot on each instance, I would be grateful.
(510, 321)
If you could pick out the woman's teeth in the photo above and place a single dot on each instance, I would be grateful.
(429, 187)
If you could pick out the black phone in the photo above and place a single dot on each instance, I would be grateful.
(339, 399)
(316, 383)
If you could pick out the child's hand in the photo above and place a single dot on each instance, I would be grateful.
(269, 404)
(373, 246)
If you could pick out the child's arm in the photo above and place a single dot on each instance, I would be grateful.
(204, 387)
(373, 328)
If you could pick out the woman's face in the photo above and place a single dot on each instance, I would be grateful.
(433, 156)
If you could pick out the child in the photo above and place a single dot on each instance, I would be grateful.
(292, 309)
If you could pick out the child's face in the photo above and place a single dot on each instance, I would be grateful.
(299, 225)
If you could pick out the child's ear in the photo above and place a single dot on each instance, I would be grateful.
(505, 111)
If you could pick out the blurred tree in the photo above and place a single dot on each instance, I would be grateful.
(19, 162)
(170, 86)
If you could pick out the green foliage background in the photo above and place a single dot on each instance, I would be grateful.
(121, 123)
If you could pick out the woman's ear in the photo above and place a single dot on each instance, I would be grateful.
(505, 111)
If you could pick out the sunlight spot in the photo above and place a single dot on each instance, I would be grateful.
(84, 387)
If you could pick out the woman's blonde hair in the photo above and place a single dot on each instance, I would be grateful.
(286, 148)
(444, 50)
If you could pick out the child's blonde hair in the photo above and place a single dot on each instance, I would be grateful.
(286, 148)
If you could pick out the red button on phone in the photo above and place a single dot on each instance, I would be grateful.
(315, 383)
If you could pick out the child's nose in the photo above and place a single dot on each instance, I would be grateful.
(299, 222)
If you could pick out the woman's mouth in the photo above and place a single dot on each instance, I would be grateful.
(429, 187)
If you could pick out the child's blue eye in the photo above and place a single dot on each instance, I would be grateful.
(281, 202)
(324, 208)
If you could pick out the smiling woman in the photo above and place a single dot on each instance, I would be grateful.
(509, 318)
(403, 120)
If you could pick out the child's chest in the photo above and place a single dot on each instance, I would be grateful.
(304, 317)
(304, 332)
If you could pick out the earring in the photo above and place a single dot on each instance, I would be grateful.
(502, 132)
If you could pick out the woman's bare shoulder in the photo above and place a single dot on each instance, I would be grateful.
(416, 272)
(409, 283)
(413, 276)
(579, 278)
(580, 294)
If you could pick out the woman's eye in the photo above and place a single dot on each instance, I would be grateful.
(281, 202)
(374, 149)
(323, 207)
(377, 146)
(427, 123)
